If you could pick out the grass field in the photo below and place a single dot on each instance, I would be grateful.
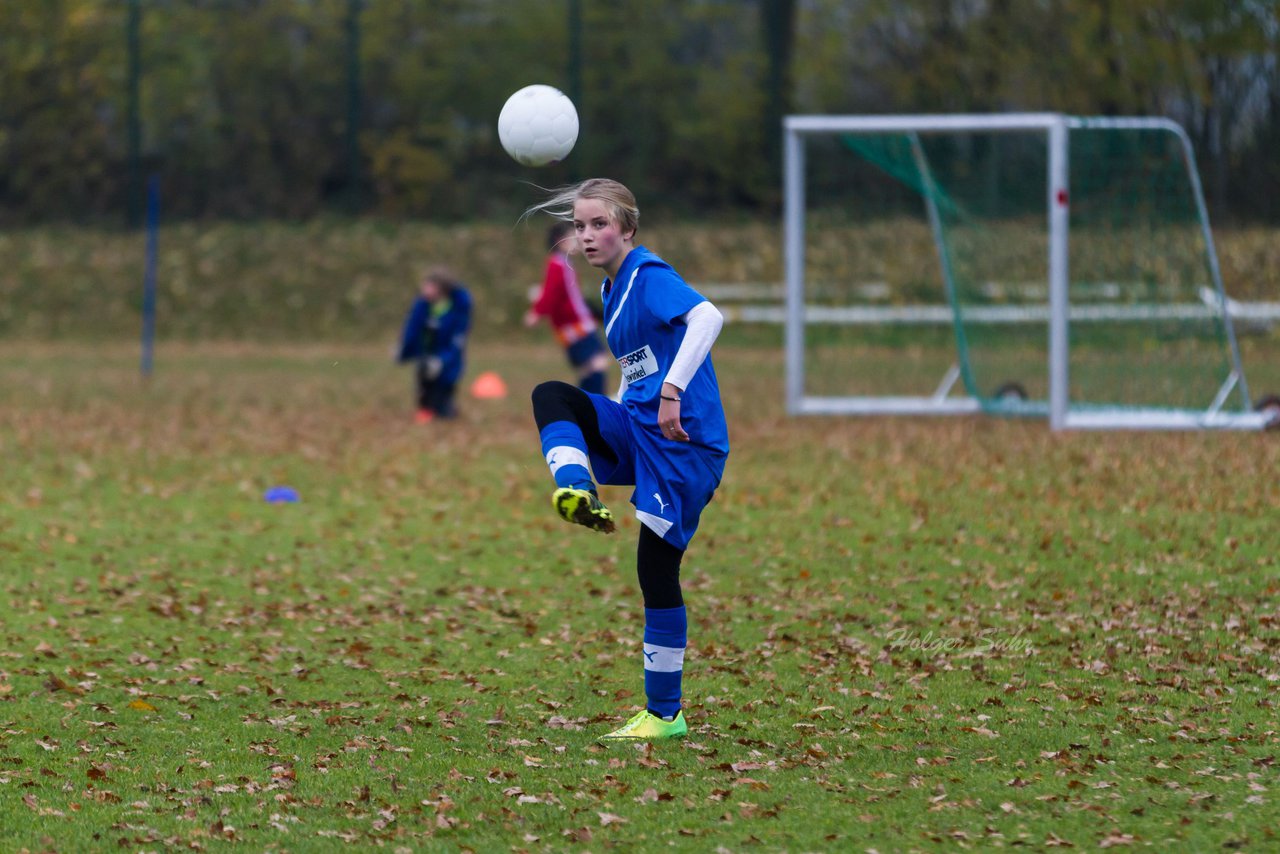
(905, 635)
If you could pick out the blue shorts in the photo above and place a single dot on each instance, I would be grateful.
(584, 349)
(673, 480)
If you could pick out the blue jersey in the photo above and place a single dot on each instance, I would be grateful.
(438, 330)
(642, 306)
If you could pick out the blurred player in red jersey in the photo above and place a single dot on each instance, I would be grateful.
(560, 301)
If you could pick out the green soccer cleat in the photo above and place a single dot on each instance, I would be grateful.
(646, 726)
(583, 507)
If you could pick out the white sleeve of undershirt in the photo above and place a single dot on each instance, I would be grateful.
(702, 324)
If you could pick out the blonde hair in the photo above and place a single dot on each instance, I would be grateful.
(616, 197)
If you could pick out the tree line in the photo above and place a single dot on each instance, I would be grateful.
(293, 108)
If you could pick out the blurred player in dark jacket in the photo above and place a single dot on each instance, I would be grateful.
(435, 337)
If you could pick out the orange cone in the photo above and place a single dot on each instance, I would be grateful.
(488, 386)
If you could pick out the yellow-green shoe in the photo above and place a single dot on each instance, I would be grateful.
(582, 507)
(646, 726)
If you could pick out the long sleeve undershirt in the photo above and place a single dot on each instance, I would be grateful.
(702, 325)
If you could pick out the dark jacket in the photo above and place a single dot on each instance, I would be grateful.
(439, 331)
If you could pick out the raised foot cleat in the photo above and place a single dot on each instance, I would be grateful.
(583, 507)
(646, 726)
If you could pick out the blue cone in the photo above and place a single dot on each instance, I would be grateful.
(280, 495)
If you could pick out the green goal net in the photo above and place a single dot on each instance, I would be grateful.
(927, 260)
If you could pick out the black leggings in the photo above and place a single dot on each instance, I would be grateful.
(658, 568)
(657, 561)
(434, 395)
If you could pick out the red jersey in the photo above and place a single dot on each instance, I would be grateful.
(561, 300)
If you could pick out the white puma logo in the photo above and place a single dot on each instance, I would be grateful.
(662, 505)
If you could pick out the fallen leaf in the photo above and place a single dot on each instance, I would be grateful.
(1115, 838)
(57, 683)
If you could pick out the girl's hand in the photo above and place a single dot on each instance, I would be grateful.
(669, 414)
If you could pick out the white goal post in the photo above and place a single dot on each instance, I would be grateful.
(1056, 309)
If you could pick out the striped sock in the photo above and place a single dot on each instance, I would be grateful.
(665, 636)
(565, 451)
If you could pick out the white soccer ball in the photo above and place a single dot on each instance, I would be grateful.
(538, 125)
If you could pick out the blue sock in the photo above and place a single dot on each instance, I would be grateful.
(592, 382)
(665, 636)
(565, 451)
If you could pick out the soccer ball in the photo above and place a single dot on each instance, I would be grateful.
(538, 125)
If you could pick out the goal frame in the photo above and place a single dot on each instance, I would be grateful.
(1056, 128)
